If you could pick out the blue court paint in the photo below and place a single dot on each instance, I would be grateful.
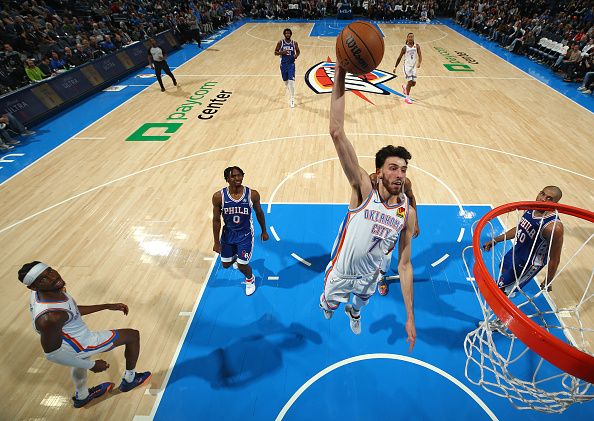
(54, 132)
(244, 357)
(331, 28)
(537, 71)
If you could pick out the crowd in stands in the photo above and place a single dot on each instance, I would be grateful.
(380, 10)
(559, 34)
(43, 38)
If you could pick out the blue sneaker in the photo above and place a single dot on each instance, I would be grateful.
(94, 393)
(139, 380)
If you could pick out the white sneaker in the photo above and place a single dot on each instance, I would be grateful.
(354, 322)
(327, 313)
(250, 286)
(292, 102)
(582, 88)
(235, 266)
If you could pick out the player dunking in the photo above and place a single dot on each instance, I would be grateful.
(375, 221)
(382, 285)
(236, 243)
(67, 340)
(288, 50)
(412, 61)
(535, 234)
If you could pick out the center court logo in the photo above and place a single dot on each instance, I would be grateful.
(320, 79)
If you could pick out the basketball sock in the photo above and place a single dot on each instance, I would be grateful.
(252, 279)
(129, 375)
(291, 86)
(358, 303)
(79, 378)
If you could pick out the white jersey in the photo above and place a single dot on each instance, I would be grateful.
(410, 57)
(74, 331)
(367, 234)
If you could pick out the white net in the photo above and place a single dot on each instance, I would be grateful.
(501, 363)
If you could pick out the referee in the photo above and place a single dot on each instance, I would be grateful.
(156, 58)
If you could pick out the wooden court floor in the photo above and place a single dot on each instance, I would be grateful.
(130, 221)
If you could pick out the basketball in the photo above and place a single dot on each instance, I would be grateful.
(359, 48)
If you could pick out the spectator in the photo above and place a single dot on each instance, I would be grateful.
(107, 45)
(44, 65)
(57, 64)
(8, 124)
(33, 72)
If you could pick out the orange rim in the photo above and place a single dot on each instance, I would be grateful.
(562, 355)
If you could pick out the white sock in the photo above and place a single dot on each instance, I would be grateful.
(252, 279)
(79, 378)
(291, 86)
(129, 375)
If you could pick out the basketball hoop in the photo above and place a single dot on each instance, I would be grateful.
(522, 349)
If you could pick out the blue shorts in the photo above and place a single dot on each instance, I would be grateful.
(288, 71)
(233, 245)
(514, 270)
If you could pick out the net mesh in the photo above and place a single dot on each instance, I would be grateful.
(501, 363)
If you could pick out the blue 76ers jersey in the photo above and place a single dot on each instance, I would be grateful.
(531, 247)
(237, 215)
(288, 46)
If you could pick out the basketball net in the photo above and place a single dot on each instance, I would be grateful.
(517, 350)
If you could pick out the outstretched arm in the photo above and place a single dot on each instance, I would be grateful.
(405, 270)
(259, 214)
(358, 178)
(501, 237)
(84, 310)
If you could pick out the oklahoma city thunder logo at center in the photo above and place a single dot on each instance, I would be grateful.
(320, 78)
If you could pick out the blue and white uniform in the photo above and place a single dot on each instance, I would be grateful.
(365, 236)
(76, 336)
(530, 252)
(237, 238)
(287, 62)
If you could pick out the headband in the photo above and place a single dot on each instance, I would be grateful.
(35, 271)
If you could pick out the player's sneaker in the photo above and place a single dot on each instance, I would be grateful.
(382, 286)
(94, 393)
(235, 266)
(408, 100)
(250, 286)
(355, 322)
(139, 380)
(327, 313)
(292, 102)
(582, 88)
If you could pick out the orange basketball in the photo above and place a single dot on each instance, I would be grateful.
(359, 48)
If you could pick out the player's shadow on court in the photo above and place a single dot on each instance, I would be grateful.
(441, 336)
(436, 289)
(257, 354)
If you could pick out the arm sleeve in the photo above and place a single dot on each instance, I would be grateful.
(59, 356)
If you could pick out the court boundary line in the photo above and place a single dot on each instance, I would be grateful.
(378, 356)
(179, 347)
